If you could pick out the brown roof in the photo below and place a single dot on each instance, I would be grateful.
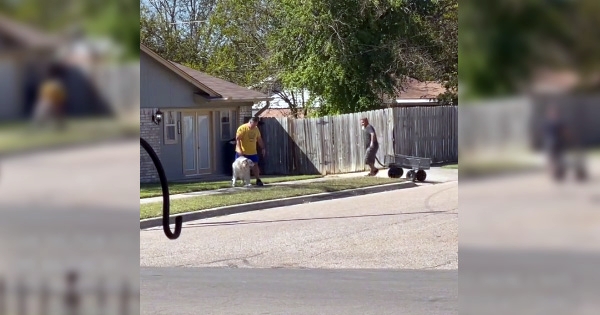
(278, 112)
(224, 88)
(25, 34)
(549, 81)
(413, 88)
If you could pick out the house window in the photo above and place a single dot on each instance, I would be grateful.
(170, 123)
(226, 125)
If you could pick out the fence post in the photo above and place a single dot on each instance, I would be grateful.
(2, 297)
(44, 298)
(124, 298)
(71, 295)
(21, 297)
(101, 297)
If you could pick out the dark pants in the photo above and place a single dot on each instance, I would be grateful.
(371, 153)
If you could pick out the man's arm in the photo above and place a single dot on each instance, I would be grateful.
(238, 141)
(238, 144)
(373, 136)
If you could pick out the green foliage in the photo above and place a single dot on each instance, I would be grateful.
(117, 19)
(347, 53)
(503, 43)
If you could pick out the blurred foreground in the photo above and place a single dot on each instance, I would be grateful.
(71, 210)
(529, 157)
(69, 223)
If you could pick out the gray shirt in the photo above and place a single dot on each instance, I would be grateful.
(367, 135)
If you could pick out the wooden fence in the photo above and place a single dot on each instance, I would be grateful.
(334, 144)
(515, 125)
(119, 85)
(20, 297)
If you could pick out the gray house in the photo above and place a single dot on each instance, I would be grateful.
(25, 54)
(23, 51)
(201, 114)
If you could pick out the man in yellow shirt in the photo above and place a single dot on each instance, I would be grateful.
(246, 138)
(51, 99)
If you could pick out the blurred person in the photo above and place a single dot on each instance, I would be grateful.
(371, 145)
(555, 135)
(247, 136)
(558, 137)
(50, 104)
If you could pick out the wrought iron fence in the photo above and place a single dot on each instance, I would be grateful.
(68, 296)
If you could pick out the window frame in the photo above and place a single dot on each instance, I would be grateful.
(166, 125)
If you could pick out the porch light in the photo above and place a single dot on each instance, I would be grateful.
(157, 117)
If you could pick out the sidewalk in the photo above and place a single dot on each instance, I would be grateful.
(434, 175)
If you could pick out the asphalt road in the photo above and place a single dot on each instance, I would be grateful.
(529, 245)
(413, 228)
(386, 253)
(71, 209)
(182, 291)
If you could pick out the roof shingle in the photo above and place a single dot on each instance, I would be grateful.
(224, 88)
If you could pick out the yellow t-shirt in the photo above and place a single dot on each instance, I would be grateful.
(248, 139)
(54, 92)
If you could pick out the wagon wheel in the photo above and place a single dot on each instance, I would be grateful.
(421, 175)
(395, 172)
(410, 175)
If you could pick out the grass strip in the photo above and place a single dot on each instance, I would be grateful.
(265, 193)
(154, 190)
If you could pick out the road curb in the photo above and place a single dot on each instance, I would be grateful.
(262, 205)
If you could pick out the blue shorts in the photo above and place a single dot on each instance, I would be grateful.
(253, 157)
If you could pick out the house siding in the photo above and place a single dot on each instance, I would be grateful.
(11, 102)
(152, 134)
(244, 113)
(162, 89)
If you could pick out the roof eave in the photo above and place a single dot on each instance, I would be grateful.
(204, 99)
(177, 71)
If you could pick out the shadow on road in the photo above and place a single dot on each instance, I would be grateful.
(244, 222)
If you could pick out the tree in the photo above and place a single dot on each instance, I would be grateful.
(97, 17)
(503, 43)
(351, 53)
(348, 54)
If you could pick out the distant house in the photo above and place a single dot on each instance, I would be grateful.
(416, 93)
(277, 112)
(25, 54)
(411, 93)
(201, 115)
(23, 51)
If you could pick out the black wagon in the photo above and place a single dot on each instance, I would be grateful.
(416, 166)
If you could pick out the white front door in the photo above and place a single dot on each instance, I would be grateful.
(197, 143)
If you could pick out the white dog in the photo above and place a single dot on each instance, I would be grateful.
(241, 170)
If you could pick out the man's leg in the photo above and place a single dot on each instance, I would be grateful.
(373, 153)
(373, 168)
(255, 169)
(369, 161)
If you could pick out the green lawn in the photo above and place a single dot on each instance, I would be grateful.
(16, 137)
(255, 194)
(451, 166)
(154, 190)
(492, 167)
